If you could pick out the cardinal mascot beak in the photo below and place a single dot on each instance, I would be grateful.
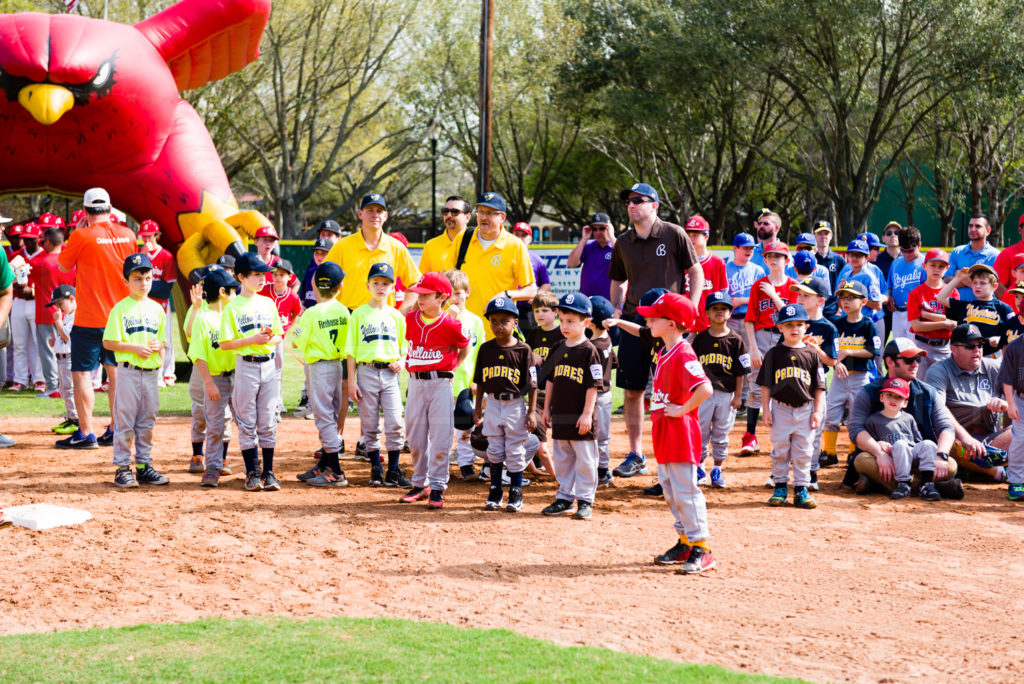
(46, 102)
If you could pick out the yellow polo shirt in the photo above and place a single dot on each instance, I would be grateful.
(439, 253)
(355, 259)
(505, 265)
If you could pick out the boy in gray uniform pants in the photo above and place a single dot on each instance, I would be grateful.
(897, 433)
(602, 310)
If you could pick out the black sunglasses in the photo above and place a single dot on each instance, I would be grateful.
(639, 200)
(972, 345)
(453, 212)
(909, 362)
(892, 232)
(599, 227)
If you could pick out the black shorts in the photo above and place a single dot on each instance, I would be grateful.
(635, 361)
(87, 352)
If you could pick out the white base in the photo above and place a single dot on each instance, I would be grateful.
(45, 516)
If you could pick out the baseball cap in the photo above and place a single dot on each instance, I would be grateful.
(381, 270)
(148, 227)
(136, 262)
(651, 296)
(1019, 288)
(216, 278)
(853, 287)
(522, 227)
(965, 332)
(328, 275)
(805, 239)
(283, 265)
(982, 268)
(812, 286)
(4, 219)
(640, 189)
(31, 231)
(936, 254)
(322, 245)
(60, 293)
(792, 312)
(14, 230)
(762, 212)
(401, 238)
(373, 198)
(577, 302)
(776, 247)
(600, 309)
(432, 282)
(902, 347)
(1018, 262)
(600, 219)
(697, 224)
(897, 387)
(501, 305)
(328, 225)
(50, 220)
(804, 261)
(77, 216)
(743, 240)
(822, 225)
(266, 231)
(492, 200)
(871, 239)
(226, 261)
(250, 263)
(718, 298)
(96, 198)
(858, 246)
(675, 307)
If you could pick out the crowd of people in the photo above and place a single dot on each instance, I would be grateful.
(917, 355)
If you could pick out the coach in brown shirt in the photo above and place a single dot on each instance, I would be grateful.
(652, 253)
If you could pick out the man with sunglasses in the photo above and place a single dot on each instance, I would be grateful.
(767, 225)
(976, 251)
(905, 274)
(652, 253)
(871, 466)
(594, 253)
(439, 253)
(968, 384)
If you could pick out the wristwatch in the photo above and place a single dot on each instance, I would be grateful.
(943, 455)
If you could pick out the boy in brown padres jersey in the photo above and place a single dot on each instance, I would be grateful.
(793, 377)
(504, 373)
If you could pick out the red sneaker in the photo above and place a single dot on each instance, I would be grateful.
(749, 446)
(17, 387)
(40, 386)
(415, 494)
(698, 562)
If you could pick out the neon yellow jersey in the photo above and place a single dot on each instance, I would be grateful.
(505, 265)
(473, 328)
(136, 322)
(321, 332)
(355, 259)
(202, 307)
(439, 253)
(246, 316)
(204, 345)
(376, 335)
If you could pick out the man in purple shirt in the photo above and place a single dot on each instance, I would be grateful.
(523, 231)
(594, 252)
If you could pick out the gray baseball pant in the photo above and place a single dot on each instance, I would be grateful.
(900, 325)
(685, 500)
(717, 417)
(47, 359)
(463, 449)
(429, 429)
(932, 356)
(326, 399)
(504, 427)
(766, 339)
(381, 392)
(603, 428)
(791, 443)
(841, 393)
(215, 417)
(905, 456)
(737, 325)
(575, 463)
(168, 368)
(279, 366)
(1015, 452)
(67, 390)
(136, 402)
(197, 393)
(255, 398)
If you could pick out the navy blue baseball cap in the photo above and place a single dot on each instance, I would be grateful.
(226, 261)
(136, 262)
(284, 265)
(719, 297)
(330, 225)
(250, 263)
(372, 198)
(577, 302)
(744, 240)
(822, 225)
(804, 261)
(648, 298)
(600, 219)
(640, 189)
(216, 278)
(853, 287)
(502, 305)
(492, 200)
(601, 309)
(805, 239)
(858, 247)
(328, 275)
(792, 312)
(812, 286)
(60, 293)
(381, 270)
(871, 239)
(322, 245)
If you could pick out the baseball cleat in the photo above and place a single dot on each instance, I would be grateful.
(376, 477)
(515, 500)
(124, 478)
(698, 562)
(396, 478)
(779, 497)
(415, 494)
(107, 438)
(49, 394)
(654, 490)
(928, 492)
(309, 474)
(225, 469)
(814, 486)
(328, 478)
(635, 464)
(717, 478)
(1015, 491)
(68, 427)
(148, 475)
(252, 482)
(584, 510)
(17, 387)
(559, 507)
(826, 460)
(801, 499)
(748, 446)
(702, 477)
(468, 473)
(270, 483)
(195, 465)
(436, 499)
(902, 491)
(674, 556)
(494, 498)
(604, 478)
(211, 478)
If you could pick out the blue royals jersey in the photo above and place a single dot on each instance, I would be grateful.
(904, 277)
(741, 279)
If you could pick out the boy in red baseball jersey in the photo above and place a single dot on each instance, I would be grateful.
(715, 277)
(289, 306)
(437, 345)
(680, 386)
(927, 316)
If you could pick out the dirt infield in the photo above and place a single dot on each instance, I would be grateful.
(861, 589)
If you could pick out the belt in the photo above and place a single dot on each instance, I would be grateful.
(125, 364)
(379, 365)
(430, 375)
(931, 342)
(774, 330)
(900, 308)
(506, 396)
(63, 356)
(258, 359)
(791, 405)
(227, 374)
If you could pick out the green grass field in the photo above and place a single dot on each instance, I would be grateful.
(337, 649)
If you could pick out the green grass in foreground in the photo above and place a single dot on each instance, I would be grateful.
(279, 649)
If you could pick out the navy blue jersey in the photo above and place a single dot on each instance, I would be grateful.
(856, 336)
(991, 317)
(824, 334)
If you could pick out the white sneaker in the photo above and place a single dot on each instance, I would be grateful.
(769, 483)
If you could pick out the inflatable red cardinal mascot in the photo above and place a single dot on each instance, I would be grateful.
(88, 103)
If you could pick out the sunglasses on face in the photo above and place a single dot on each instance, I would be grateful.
(890, 233)
(597, 228)
(639, 200)
(971, 346)
(453, 212)
(910, 362)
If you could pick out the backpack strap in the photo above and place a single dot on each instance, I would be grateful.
(467, 237)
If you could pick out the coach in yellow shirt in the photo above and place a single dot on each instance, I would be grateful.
(496, 262)
(439, 253)
(371, 245)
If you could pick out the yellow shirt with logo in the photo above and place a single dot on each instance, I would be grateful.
(204, 345)
(136, 321)
(505, 265)
(355, 259)
(440, 253)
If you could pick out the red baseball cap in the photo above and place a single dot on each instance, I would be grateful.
(674, 307)
(897, 386)
(775, 247)
(401, 238)
(78, 216)
(432, 282)
(697, 224)
(903, 348)
(522, 227)
(31, 231)
(266, 231)
(1018, 261)
(148, 227)
(936, 255)
(50, 220)
(14, 230)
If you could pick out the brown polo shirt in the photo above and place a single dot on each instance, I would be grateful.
(660, 260)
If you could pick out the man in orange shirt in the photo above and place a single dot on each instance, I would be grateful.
(98, 251)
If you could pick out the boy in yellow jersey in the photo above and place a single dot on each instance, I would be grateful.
(251, 327)
(321, 334)
(462, 384)
(375, 347)
(135, 328)
(215, 368)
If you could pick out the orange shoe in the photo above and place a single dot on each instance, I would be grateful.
(749, 446)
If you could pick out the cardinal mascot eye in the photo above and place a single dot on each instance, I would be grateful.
(101, 84)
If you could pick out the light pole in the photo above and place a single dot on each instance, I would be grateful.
(432, 131)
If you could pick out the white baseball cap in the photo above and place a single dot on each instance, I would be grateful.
(4, 219)
(96, 198)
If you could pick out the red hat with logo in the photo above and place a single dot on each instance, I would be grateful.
(78, 216)
(674, 307)
(148, 227)
(49, 220)
(522, 227)
(31, 231)
(936, 255)
(775, 247)
(433, 282)
(897, 386)
(697, 224)
(14, 230)
(266, 231)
